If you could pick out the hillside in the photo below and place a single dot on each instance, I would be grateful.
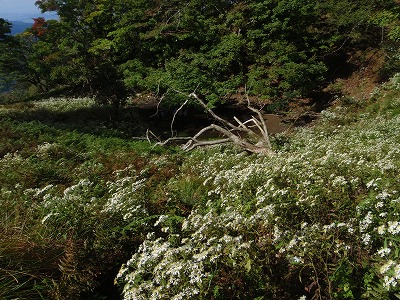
(19, 26)
(82, 205)
(209, 150)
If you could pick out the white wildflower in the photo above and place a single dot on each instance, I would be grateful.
(366, 239)
(43, 190)
(296, 260)
(384, 252)
(339, 181)
(397, 272)
(160, 220)
(373, 183)
(381, 229)
(382, 196)
(389, 282)
(386, 267)
(366, 222)
(393, 227)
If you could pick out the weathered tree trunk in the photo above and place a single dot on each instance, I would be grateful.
(251, 135)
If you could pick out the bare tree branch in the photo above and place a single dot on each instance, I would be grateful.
(264, 131)
(237, 140)
(188, 147)
(255, 141)
(216, 117)
(148, 133)
(176, 112)
(173, 139)
(159, 102)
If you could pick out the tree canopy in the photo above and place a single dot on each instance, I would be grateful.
(279, 50)
(5, 28)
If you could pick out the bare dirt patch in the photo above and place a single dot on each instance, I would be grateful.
(364, 79)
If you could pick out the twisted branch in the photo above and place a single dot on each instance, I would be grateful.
(242, 135)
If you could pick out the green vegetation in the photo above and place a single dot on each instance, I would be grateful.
(59, 239)
(317, 219)
(281, 50)
(90, 210)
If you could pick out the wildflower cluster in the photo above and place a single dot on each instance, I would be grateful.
(318, 218)
(327, 198)
(185, 265)
(65, 104)
(126, 197)
(79, 203)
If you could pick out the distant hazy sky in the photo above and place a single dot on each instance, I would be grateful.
(20, 10)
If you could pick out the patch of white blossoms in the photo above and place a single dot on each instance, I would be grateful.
(126, 197)
(123, 198)
(290, 200)
(181, 266)
(65, 104)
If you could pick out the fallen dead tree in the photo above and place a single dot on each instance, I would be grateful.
(251, 135)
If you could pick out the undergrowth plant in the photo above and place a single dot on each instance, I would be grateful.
(97, 216)
(72, 203)
(316, 220)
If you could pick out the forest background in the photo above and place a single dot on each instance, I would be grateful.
(279, 50)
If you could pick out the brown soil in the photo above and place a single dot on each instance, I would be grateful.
(365, 79)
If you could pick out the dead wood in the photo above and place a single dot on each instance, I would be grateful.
(250, 135)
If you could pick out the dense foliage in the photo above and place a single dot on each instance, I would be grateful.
(81, 205)
(280, 50)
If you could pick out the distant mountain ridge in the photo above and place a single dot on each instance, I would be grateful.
(19, 26)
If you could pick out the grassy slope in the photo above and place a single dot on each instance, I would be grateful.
(317, 219)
